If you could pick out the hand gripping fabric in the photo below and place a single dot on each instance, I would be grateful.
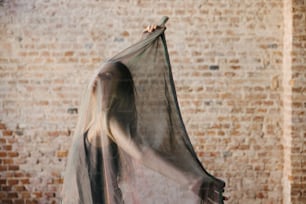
(130, 145)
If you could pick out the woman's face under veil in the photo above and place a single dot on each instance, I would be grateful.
(109, 78)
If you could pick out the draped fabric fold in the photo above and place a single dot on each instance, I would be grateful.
(142, 111)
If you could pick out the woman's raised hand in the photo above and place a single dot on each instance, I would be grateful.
(151, 28)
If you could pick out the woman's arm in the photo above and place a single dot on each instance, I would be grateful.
(147, 156)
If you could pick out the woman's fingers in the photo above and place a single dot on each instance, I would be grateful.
(150, 28)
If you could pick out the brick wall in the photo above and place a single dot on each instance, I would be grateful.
(14, 181)
(298, 127)
(230, 64)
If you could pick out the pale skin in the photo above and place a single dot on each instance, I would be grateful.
(151, 28)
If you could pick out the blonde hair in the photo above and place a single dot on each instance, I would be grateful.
(121, 103)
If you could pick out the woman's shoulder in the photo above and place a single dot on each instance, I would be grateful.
(119, 118)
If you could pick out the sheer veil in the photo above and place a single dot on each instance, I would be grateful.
(156, 124)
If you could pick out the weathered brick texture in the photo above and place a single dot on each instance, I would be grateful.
(239, 68)
(298, 97)
(14, 181)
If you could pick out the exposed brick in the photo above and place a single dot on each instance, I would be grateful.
(19, 188)
(236, 52)
(19, 174)
(25, 195)
(69, 53)
(12, 195)
(6, 201)
(2, 181)
(3, 195)
(7, 161)
(6, 188)
(31, 201)
(19, 201)
(25, 181)
(3, 154)
(7, 133)
(62, 154)
(58, 181)
(38, 194)
(2, 126)
(12, 154)
(12, 182)
(7, 147)
(13, 167)
(3, 168)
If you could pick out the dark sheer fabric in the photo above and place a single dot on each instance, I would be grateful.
(144, 103)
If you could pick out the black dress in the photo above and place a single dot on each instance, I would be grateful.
(94, 158)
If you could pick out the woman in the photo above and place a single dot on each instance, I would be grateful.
(118, 119)
(109, 143)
